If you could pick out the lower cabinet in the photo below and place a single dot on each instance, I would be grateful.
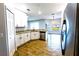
(25, 37)
(35, 35)
(18, 40)
(22, 39)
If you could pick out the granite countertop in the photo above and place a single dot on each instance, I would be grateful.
(34, 30)
(20, 32)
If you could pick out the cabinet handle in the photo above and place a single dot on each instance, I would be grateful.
(27, 35)
(20, 38)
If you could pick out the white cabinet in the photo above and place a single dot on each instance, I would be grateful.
(26, 37)
(18, 40)
(35, 35)
(22, 38)
(32, 36)
(17, 37)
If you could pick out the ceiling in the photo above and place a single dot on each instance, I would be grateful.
(45, 8)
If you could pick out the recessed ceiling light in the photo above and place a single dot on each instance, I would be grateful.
(39, 12)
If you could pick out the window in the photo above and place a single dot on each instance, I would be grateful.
(34, 25)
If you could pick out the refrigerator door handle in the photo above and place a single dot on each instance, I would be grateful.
(63, 37)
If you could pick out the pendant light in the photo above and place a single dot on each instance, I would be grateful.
(53, 16)
(53, 20)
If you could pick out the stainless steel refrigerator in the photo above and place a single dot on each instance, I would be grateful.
(71, 35)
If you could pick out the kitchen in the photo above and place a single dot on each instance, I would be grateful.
(32, 29)
(31, 21)
(39, 25)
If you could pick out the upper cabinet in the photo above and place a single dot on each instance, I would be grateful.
(20, 18)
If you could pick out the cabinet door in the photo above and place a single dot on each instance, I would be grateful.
(17, 39)
(28, 36)
(32, 35)
(36, 35)
(22, 39)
